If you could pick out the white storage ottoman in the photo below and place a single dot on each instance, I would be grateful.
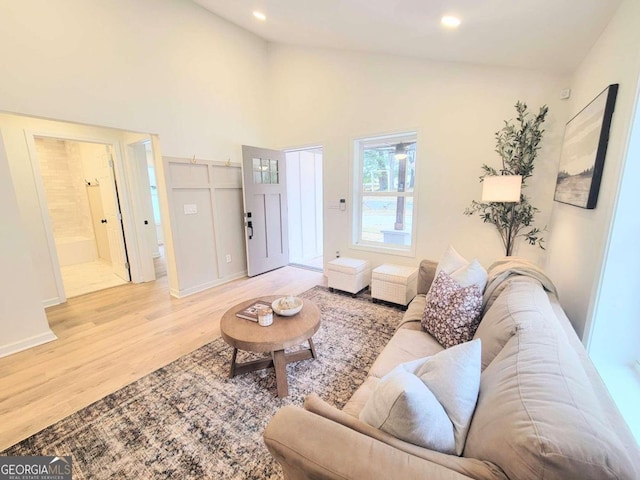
(394, 283)
(348, 274)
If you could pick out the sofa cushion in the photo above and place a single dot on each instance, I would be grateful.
(358, 400)
(461, 270)
(537, 414)
(405, 345)
(452, 312)
(522, 300)
(426, 274)
(410, 401)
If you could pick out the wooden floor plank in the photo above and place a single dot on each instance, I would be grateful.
(111, 338)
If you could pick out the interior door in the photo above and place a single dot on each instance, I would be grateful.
(99, 228)
(265, 206)
(112, 216)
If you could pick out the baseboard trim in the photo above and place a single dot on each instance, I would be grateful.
(205, 286)
(50, 302)
(27, 343)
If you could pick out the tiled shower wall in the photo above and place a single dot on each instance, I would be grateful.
(63, 177)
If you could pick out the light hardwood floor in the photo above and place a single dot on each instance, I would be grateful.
(111, 338)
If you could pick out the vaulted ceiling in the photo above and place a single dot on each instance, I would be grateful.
(552, 35)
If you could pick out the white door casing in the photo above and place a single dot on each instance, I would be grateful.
(265, 206)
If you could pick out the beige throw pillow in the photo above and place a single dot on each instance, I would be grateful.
(430, 401)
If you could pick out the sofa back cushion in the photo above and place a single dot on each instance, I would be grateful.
(537, 415)
(426, 274)
(522, 301)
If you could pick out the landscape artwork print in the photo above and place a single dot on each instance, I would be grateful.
(583, 151)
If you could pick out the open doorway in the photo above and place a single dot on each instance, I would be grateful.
(84, 208)
(304, 193)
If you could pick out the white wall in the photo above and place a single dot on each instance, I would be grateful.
(22, 320)
(578, 237)
(456, 110)
(161, 66)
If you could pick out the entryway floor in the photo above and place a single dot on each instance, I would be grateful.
(88, 277)
(316, 263)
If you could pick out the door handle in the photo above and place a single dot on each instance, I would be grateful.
(104, 220)
(250, 226)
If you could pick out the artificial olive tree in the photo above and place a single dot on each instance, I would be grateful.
(517, 143)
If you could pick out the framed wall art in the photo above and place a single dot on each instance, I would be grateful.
(583, 151)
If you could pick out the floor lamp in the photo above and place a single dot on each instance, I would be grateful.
(503, 189)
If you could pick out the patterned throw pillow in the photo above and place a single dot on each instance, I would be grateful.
(452, 312)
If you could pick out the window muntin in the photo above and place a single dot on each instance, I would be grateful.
(384, 191)
(265, 170)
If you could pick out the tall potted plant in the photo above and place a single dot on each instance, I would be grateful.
(517, 143)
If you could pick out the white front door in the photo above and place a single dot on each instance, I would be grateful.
(265, 206)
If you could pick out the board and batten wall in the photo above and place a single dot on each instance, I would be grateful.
(207, 220)
(456, 110)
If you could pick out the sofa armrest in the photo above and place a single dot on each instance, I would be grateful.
(309, 446)
(426, 274)
(465, 466)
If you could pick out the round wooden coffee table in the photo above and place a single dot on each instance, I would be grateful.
(285, 332)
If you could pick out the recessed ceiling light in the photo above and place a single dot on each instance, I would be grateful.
(259, 15)
(450, 21)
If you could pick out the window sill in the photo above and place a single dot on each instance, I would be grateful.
(384, 250)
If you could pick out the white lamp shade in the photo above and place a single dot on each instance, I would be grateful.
(501, 188)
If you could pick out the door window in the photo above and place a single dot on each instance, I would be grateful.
(266, 170)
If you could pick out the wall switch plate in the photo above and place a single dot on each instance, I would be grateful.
(228, 258)
(566, 93)
(190, 209)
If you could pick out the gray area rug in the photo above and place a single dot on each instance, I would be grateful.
(188, 420)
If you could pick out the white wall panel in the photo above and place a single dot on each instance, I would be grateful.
(207, 223)
(194, 238)
(232, 242)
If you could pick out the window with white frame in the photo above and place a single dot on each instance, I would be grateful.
(384, 189)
